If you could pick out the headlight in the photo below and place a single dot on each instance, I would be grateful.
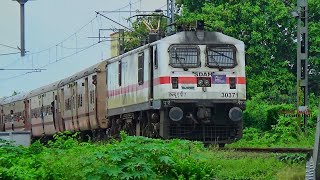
(235, 114)
(204, 82)
(200, 82)
(176, 114)
(207, 83)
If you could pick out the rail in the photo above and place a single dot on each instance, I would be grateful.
(272, 150)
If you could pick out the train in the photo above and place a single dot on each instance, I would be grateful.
(189, 85)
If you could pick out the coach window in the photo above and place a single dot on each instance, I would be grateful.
(120, 72)
(80, 100)
(221, 56)
(140, 68)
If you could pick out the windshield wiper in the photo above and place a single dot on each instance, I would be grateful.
(214, 60)
(221, 54)
(178, 58)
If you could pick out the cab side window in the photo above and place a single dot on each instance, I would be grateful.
(140, 68)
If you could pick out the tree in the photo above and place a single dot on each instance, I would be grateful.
(15, 93)
(140, 32)
(314, 43)
(269, 32)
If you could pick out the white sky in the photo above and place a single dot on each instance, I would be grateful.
(48, 23)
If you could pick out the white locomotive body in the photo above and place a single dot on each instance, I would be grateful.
(190, 85)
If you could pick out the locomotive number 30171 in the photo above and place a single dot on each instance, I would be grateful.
(229, 95)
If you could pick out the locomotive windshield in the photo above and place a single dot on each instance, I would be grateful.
(221, 56)
(184, 56)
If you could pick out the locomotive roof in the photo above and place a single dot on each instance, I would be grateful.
(90, 70)
(15, 98)
(43, 89)
(188, 37)
(196, 37)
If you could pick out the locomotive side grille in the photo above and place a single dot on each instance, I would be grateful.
(205, 133)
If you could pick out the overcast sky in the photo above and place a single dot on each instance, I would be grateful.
(53, 33)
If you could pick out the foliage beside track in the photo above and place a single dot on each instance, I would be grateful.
(137, 158)
(268, 126)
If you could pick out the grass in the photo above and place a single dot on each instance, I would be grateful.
(141, 158)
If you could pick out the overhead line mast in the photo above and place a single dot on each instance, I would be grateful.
(302, 54)
(22, 33)
(170, 14)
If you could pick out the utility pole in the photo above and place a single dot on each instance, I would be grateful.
(22, 48)
(121, 41)
(302, 54)
(170, 14)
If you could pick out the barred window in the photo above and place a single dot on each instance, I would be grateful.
(184, 56)
(140, 68)
(221, 56)
(80, 100)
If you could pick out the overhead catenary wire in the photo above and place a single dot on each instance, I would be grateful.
(117, 10)
(114, 21)
(127, 28)
(58, 60)
(60, 44)
(17, 69)
(11, 47)
(6, 54)
(65, 38)
(90, 22)
(65, 57)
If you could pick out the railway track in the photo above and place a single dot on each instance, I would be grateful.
(272, 150)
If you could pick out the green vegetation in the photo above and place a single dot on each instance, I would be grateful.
(139, 158)
(269, 33)
(268, 126)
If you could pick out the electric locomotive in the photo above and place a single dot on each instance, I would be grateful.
(189, 85)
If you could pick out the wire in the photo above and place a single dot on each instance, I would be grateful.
(3, 69)
(90, 22)
(9, 46)
(6, 54)
(65, 57)
(58, 60)
(74, 34)
(117, 10)
(65, 38)
(13, 77)
(64, 47)
(121, 25)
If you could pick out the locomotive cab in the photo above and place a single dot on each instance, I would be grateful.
(202, 88)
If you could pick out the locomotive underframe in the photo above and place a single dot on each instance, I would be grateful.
(205, 120)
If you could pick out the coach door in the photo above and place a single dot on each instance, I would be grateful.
(1, 119)
(61, 107)
(92, 101)
(27, 114)
(54, 111)
(152, 55)
(74, 107)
